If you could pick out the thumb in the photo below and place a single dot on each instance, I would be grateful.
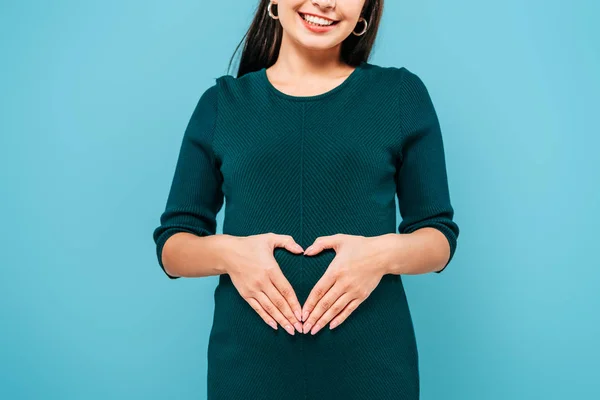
(287, 242)
(323, 242)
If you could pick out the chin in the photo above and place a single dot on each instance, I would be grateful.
(314, 43)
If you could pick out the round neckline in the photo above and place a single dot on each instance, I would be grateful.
(353, 75)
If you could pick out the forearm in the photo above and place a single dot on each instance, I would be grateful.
(422, 251)
(188, 255)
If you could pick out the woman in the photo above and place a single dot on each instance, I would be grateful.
(307, 148)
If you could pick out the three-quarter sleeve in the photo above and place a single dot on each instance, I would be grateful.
(195, 196)
(421, 176)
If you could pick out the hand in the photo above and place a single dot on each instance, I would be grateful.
(259, 280)
(350, 278)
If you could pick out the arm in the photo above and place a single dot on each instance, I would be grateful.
(427, 236)
(424, 250)
(186, 244)
(188, 255)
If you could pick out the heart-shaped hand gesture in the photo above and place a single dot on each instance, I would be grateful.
(350, 278)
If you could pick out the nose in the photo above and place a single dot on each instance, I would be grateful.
(324, 3)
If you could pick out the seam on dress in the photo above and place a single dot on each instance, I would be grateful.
(302, 235)
(214, 125)
(400, 115)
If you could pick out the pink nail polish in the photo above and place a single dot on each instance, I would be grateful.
(316, 329)
(307, 327)
(289, 329)
(305, 316)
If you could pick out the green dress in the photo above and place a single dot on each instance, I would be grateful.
(309, 166)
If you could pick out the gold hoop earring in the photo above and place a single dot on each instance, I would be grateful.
(270, 12)
(364, 29)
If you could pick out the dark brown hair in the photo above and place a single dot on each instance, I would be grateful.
(263, 39)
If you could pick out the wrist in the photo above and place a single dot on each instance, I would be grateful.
(392, 249)
(223, 248)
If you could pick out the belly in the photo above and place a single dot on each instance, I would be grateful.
(375, 345)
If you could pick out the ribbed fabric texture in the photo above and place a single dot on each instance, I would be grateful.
(308, 167)
(195, 196)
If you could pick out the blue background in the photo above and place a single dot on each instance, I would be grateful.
(95, 99)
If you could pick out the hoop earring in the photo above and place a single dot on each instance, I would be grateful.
(270, 12)
(364, 29)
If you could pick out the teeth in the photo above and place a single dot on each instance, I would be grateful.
(316, 20)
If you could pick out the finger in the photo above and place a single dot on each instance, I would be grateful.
(287, 242)
(341, 317)
(274, 312)
(322, 306)
(334, 310)
(318, 291)
(323, 242)
(287, 291)
(282, 305)
(261, 312)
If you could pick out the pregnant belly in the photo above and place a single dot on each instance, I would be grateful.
(381, 326)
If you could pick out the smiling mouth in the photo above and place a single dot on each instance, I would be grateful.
(317, 21)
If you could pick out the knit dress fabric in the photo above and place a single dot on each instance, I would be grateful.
(310, 166)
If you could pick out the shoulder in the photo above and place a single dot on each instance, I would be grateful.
(231, 91)
(385, 74)
(389, 73)
(406, 82)
(209, 96)
(207, 104)
(230, 85)
(225, 86)
(222, 84)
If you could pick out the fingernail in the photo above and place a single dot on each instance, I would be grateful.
(273, 324)
(308, 249)
(316, 329)
(305, 316)
(307, 327)
(289, 329)
(298, 326)
(299, 247)
(333, 324)
(297, 314)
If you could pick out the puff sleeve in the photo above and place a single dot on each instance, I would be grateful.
(195, 196)
(421, 176)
